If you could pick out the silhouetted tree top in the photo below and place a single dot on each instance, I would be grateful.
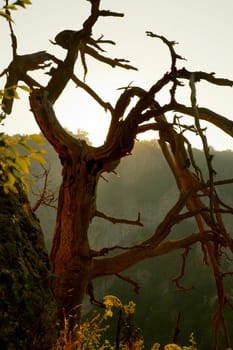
(137, 110)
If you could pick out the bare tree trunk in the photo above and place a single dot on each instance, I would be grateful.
(70, 256)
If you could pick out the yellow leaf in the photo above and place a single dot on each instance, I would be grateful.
(8, 17)
(20, 3)
(22, 164)
(43, 151)
(10, 183)
(11, 92)
(11, 7)
(24, 183)
(37, 138)
(37, 157)
(25, 88)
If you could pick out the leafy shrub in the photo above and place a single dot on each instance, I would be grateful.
(16, 154)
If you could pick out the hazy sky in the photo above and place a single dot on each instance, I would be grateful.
(203, 29)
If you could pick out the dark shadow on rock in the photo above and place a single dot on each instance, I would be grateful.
(27, 307)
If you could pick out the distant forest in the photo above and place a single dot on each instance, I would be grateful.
(143, 183)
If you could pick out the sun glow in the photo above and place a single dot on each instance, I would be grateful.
(76, 110)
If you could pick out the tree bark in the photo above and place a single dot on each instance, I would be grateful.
(71, 254)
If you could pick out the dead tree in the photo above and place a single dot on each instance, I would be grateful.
(74, 262)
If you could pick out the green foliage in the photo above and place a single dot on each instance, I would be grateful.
(10, 93)
(16, 154)
(15, 5)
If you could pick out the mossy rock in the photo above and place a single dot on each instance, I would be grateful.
(27, 307)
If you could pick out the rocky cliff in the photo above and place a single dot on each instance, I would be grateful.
(27, 308)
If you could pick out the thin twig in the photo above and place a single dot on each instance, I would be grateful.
(13, 36)
(92, 93)
(177, 279)
(114, 220)
(170, 44)
(130, 281)
(208, 156)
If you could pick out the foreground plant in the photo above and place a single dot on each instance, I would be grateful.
(90, 333)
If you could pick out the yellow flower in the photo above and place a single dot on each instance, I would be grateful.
(155, 346)
(111, 300)
(172, 347)
(130, 308)
(108, 313)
